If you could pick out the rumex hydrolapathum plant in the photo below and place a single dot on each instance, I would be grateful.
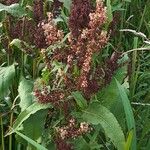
(64, 63)
(87, 36)
(92, 38)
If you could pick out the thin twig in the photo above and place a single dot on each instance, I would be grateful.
(141, 104)
(136, 49)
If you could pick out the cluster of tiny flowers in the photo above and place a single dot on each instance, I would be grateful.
(98, 18)
(45, 96)
(81, 45)
(51, 33)
(71, 131)
(56, 8)
(111, 66)
(79, 17)
(63, 144)
(27, 30)
(9, 2)
(95, 39)
(38, 11)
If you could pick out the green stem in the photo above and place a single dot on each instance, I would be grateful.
(45, 7)
(123, 15)
(142, 19)
(10, 136)
(6, 27)
(2, 133)
(23, 36)
(34, 69)
(134, 71)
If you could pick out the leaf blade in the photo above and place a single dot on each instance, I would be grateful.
(15, 10)
(128, 112)
(98, 114)
(35, 144)
(26, 114)
(6, 77)
(25, 92)
(81, 102)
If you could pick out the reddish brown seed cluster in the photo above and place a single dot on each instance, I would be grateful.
(38, 10)
(91, 40)
(111, 66)
(72, 131)
(56, 8)
(62, 144)
(23, 29)
(79, 17)
(114, 24)
(9, 2)
(51, 33)
(39, 38)
(45, 96)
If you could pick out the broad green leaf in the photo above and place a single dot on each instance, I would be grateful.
(25, 92)
(6, 77)
(29, 140)
(128, 112)
(109, 94)
(80, 144)
(15, 10)
(98, 114)
(32, 109)
(80, 100)
(33, 127)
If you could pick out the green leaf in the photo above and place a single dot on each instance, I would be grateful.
(25, 92)
(67, 3)
(109, 11)
(21, 45)
(35, 144)
(146, 127)
(80, 144)
(15, 10)
(27, 113)
(6, 77)
(16, 42)
(98, 114)
(128, 112)
(33, 127)
(81, 102)
(109, 95)
(129, 140)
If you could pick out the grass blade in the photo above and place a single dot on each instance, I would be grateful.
(32, 142)
(128, 112)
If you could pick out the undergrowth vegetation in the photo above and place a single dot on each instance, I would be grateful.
(74, 74)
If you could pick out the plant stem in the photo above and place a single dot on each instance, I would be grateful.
(133, 75)
(2, 133)
(6, 27)
(45, 7)
(10, 136)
